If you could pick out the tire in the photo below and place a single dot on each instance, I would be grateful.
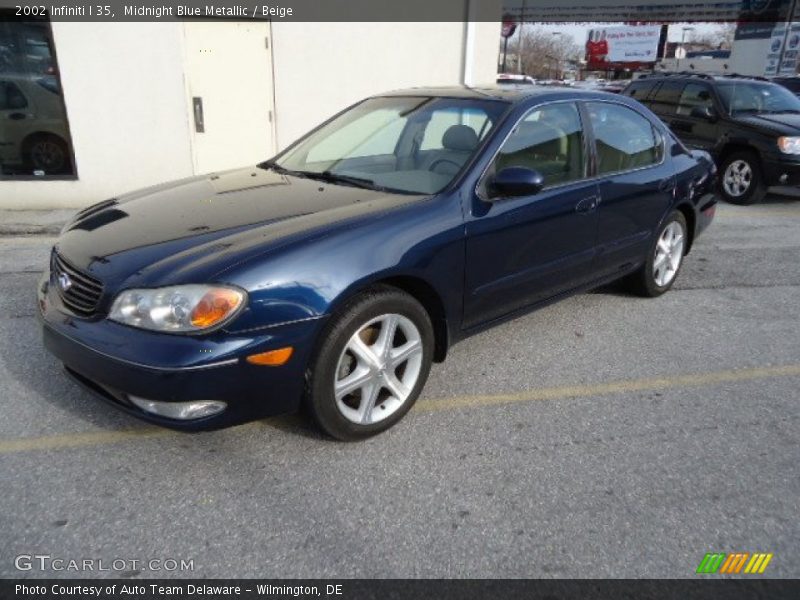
(667, 251)
(741, 179)
(374, 391)
(48, 153)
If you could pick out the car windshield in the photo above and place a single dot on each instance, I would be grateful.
(397, 144)
(742, 97)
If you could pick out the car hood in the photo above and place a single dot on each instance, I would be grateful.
(181, 231)
(787, 123)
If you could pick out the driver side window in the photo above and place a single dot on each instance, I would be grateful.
(548, 140)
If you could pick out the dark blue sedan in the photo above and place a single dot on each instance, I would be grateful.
(335, 273)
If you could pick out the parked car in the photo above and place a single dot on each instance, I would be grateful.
(614, 87)
(511, 79)
(335, 273)
(34, 135)
(750, 126)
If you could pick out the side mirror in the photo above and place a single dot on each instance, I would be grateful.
(515, 181)
(704, 112)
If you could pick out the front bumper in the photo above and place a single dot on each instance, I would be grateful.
(116, 362)
(781, 171)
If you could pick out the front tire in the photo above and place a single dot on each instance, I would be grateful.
(372, 363)
(741, 179)
(664, 259)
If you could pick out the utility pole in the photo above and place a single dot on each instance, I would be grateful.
(521, 43)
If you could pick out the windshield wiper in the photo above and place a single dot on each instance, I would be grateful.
(332, 177)
(328, 176)
(272, 165)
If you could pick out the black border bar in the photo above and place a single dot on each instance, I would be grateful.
(366, 11)
(399, 589)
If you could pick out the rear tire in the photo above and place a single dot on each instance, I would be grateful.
(48, 153)
(664, 259)
(741, 178)
(371, 364)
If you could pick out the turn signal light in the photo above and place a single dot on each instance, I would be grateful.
(273, 358)
(215, 306)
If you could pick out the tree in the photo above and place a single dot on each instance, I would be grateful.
(721, 38)
(540, 53)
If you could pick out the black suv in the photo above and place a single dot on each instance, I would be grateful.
(750, 126)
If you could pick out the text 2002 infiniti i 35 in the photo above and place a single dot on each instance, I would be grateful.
(335, 273)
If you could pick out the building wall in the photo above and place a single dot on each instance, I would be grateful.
(749, 57)
(697, 65)
(321, 68)
(124, 95)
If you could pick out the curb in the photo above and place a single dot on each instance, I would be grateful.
(15, 229)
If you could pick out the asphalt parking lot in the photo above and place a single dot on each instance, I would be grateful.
(604, 436)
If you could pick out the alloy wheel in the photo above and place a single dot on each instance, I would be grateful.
(737, 178)
(378, 369)
(669, 253)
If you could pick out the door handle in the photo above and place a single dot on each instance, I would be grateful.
(666, 185)
(17, 116)
(586, 205)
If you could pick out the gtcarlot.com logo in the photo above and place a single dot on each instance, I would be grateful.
(734, 563)
(47, 562)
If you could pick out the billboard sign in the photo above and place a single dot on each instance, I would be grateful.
(624, 44)
(791, 53)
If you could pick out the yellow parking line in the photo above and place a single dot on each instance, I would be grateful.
(613, 387)
(97, 438)
(78, 440)
(759, 214)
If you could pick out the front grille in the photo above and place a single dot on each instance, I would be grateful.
(80, 292)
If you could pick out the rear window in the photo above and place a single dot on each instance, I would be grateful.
(639, 89)
(666, 97)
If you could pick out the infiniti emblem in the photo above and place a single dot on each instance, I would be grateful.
(64, 282)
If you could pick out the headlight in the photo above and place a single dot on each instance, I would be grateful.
(789, 144)
(178, 309)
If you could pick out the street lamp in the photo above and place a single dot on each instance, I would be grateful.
(683, 50)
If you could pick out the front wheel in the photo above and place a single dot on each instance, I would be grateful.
(371, 365)
(664, 259)
(741, 180)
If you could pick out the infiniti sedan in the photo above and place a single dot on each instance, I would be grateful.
(335, 273)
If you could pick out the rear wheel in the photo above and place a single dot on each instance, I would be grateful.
(664, 259)
(741, 180)
(48, 153)
(371, 365)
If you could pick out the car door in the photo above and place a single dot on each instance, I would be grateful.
(523, 250)
(664, 100)
(694, 130)
(636, 182)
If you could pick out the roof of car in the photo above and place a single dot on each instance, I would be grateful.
(504, 92)
(706, 76)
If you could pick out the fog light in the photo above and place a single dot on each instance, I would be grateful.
(196, 409)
